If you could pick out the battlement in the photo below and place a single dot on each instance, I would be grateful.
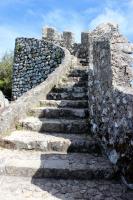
(50, 34)
(66, 38)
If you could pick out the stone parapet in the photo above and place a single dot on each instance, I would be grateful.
(51, 34)
(68, 39)
(111, 97)
(19, 108)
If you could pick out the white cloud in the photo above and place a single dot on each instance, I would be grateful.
(121, 17)
(77, 22)
(109, 15)
(70, 21)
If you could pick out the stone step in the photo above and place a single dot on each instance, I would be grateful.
(72, 83)
(28, 140)
(78, 73)
(45, 165)
(55, 125)
(70, 89)
(52, 112)
(67, 96)
(80, 67)
(76, 79)
(84, 61)
(65, 103)
(27, 188)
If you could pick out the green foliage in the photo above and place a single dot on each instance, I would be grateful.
(6, 64)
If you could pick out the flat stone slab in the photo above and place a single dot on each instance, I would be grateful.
(66, 166)
(76, 78)
(22, 188)
(79, 126)
(78, 68)
(65, 103)
(70, 89)
(45, 142)
(71, 82)
(67, 96)
(66, 113)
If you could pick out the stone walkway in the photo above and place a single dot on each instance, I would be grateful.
(52, 155)
(55, 165)
(20, 188)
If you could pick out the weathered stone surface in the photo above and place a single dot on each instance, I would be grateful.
(23, 188)
(76, 79)
(18, 109)
(46, 142)
(67, 96)
(65, 103)
(55, 125)
(67, 113)
(67, 166)
(4, 103)
(70, 82)
(110, 106)
(34, 60)
(50, 34)
(67, 40)
(111, 95)
(70, 89)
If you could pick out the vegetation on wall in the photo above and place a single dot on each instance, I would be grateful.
(6, 64)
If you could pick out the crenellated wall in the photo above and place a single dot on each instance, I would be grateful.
(111, 96)
(110, 90)
(34, 60)
(67, 40)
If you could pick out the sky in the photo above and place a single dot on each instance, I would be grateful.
(25, 18)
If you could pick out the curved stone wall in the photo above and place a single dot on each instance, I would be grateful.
(19, 108)
(34, 60)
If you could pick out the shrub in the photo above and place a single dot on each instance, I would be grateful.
(6, 64)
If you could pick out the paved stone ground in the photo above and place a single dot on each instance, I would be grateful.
(19, 188)
(67, 165)
(38, 164)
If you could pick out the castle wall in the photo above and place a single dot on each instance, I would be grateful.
(67, 40)
(111, 96)
(110, 92)
(34, 60)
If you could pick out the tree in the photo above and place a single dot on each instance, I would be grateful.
(6, 64)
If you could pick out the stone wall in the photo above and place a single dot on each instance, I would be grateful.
(18, 109)
(34, 60)
(81, 50)
(110, 81)
(4, 103)
(67, 40)
(51, 34)
(111, 96)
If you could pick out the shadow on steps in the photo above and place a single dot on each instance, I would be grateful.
(64, 181)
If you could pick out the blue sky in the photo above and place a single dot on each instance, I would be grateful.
(27, 17)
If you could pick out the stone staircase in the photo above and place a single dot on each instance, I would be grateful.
(52, 155)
